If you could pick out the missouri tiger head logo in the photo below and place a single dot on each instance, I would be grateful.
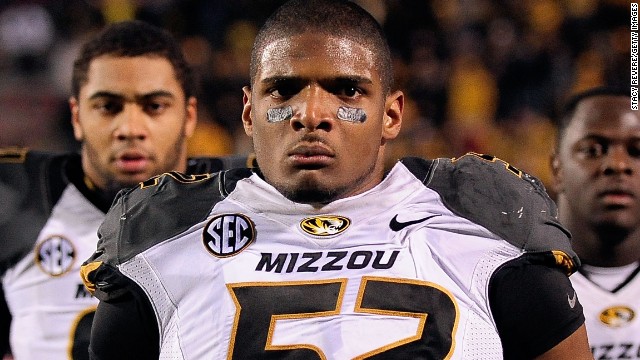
(617, 316)
(326, 225)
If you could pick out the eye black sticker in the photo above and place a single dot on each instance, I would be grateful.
(354, 115)
(279, 114)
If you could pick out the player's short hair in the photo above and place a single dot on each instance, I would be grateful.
(130, 39)
(567, 111)
(328, 17)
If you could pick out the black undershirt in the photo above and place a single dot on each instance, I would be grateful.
(532, 307)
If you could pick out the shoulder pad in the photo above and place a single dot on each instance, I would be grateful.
(158, 209)
(30, 184)
(13, 155)
(501, 198)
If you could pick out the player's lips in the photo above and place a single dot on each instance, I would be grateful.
(311, 155)
(132, 161)
(617, 197)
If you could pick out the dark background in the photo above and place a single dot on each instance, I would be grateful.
(479, 75)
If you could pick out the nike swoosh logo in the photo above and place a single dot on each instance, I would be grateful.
(572, 301)
(396, 225)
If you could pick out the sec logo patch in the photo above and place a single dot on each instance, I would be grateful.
(228, 234)
(55, 255)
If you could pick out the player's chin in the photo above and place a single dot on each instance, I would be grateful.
(309, 190)
(623, 218)
(127, 180)
(311, 196)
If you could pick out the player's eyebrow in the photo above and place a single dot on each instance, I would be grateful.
(354, 79)
(141, 97)
(282, 80)
(593, 137)
(590, 137)
(596, 137)
(349, 80)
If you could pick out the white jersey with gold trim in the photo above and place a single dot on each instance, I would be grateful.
(612, 318)
(350, 277)
(44, 290)
(258, 274)
(48, 227)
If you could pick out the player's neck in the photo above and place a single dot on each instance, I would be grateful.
(99, 197)
(606, 248)
(610, 278)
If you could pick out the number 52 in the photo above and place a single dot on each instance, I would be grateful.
(260, 305)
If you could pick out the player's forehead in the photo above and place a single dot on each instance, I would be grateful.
(605, 114)
(313, 54)
(137, 75)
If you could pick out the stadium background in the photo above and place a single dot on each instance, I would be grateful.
(479, 75)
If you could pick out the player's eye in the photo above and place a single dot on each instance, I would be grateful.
(349, 91)
(108, 106)
(593, 150)
(634, 149)
(284, 89)
(346, 89)
(155, 107)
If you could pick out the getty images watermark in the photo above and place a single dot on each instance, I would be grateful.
(634, 56)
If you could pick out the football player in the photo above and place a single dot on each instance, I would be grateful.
(596, 168)
(320, 254)
(133, 108)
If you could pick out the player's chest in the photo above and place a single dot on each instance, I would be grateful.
(613, 322)
(335, 275)
(69, 236)
(235, 248)
(353, 241)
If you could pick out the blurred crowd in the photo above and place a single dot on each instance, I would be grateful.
(479, 75)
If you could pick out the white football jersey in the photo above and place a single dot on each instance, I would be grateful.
(44, 291)
(48, 227)
(613, 326)
(390, 273)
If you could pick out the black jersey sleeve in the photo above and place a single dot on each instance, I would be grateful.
(5, 322)
(534, 306)
(127, 320)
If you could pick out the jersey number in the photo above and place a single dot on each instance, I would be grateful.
(80, 335)
(260, 305)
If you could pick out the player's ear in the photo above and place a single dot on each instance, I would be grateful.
(78, 133)
(392, 120)
(247, 122)
(191, 118)
(556, 171)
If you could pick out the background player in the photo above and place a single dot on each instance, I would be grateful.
(319, 254)
(596, 165)
(133, 108)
